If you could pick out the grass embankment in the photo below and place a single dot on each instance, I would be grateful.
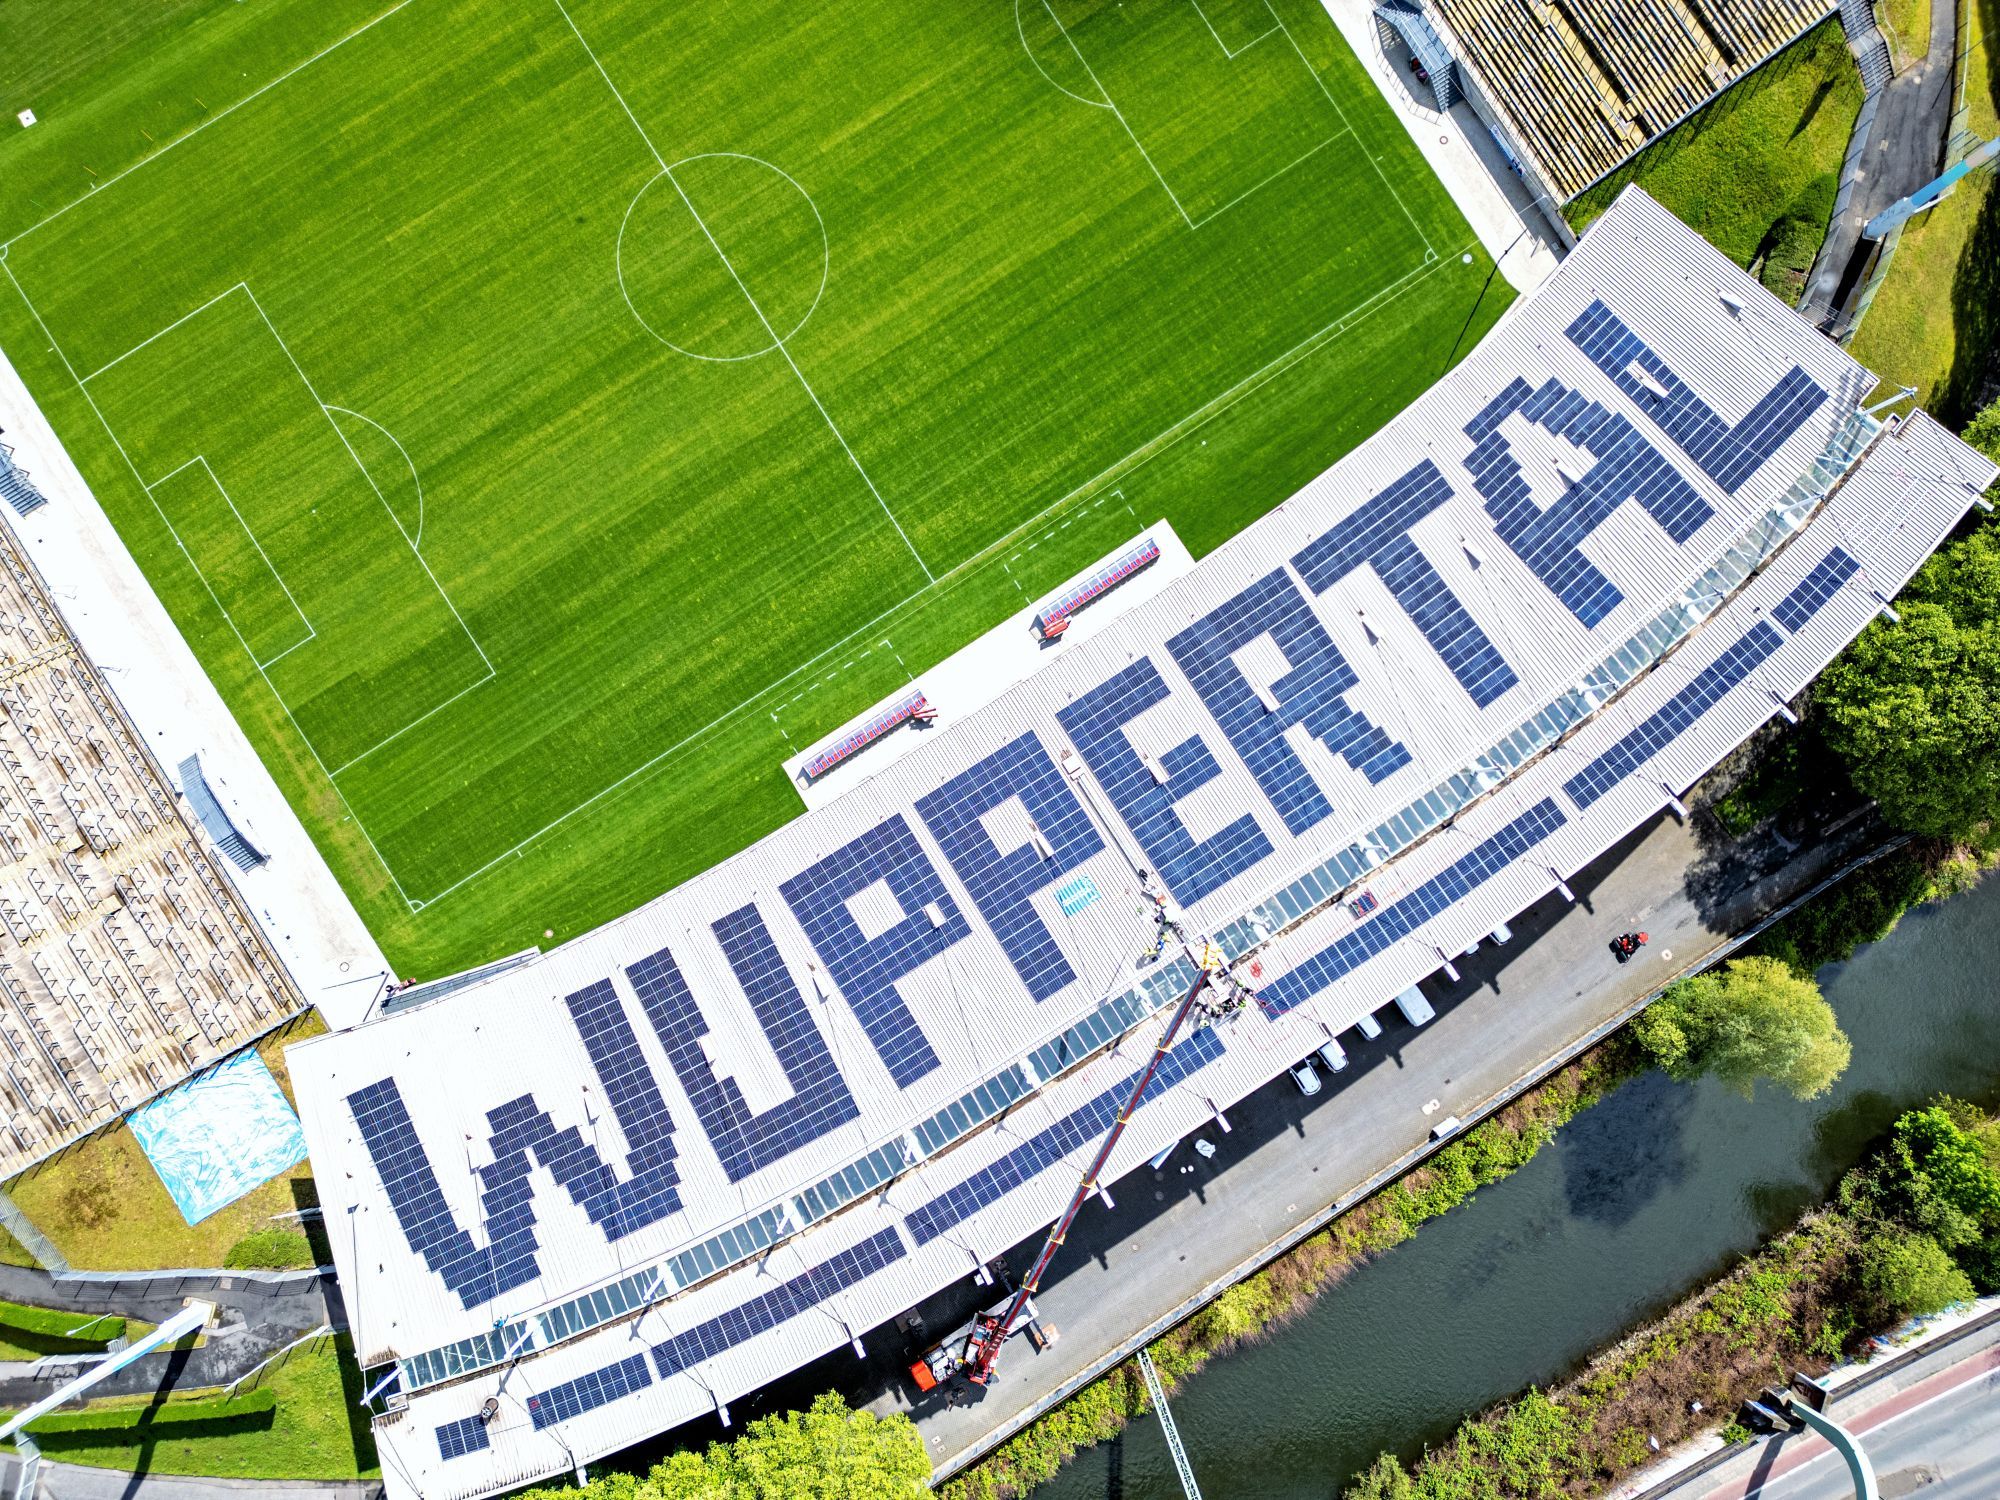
(1907, 25)
(1488, 1152)
(32, 1332)
(1756, 171)
(105, 1208)
(1914, 1230)
(1935, 322)
(300, 1421)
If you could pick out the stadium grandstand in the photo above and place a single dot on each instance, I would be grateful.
(129, 962)
(622, 1185)
(1578, 86)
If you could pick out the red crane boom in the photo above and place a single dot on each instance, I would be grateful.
(988, 1341)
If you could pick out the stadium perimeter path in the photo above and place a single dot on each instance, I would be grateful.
(61, 1481)
(1175, 1239)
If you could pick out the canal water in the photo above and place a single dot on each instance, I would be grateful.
(1635, 1203)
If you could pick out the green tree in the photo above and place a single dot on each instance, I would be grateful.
(824, 1453)
(1909, 1275)
(1913, 706)
(1752, 1018)
(1936, 1177)
(1385, 1479)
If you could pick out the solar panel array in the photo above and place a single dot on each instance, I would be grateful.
(590, 1391)
(787, 1300)
(466, 1435)
(1084, 1126)
(780, 1042)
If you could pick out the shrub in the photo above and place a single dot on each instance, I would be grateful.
(1909, 1275)
(1936, 1177)
(269, 1249)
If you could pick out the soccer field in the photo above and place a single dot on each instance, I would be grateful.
(541, 418)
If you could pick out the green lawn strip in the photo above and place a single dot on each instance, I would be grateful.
(654, 553)
(1490, 1151)
(13, 1252)
(105, 1208)
(1935, 321)
(1907, 25)
(1755, 171)
(294, 1423)
(32, 1332)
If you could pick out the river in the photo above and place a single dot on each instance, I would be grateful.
(1635, 1203)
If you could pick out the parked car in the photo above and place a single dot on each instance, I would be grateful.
(1333, 1055)
(1305, 1077)
(1369, 1027)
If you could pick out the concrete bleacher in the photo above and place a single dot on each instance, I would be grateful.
(127, 962)
(1585, 83)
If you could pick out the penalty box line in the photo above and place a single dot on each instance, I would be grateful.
(993, 551)
(139, 479)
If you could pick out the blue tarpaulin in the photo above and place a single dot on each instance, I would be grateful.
(218, 1136)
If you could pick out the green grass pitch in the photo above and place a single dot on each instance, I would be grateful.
(541, 419)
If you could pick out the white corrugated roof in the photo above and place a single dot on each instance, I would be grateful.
(513, 1039)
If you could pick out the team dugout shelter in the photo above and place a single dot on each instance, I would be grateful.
(624, 1184)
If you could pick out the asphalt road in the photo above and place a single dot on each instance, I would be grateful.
(1930, 1427)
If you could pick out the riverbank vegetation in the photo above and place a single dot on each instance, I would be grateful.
(1490, 1151)
(1909, 1233)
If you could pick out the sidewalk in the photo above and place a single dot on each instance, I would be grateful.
(78, 1482)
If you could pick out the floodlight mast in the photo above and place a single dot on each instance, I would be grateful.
(988, 1341)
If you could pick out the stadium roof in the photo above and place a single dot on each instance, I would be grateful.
(752, 1120)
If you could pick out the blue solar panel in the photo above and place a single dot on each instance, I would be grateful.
(1081, 1126)
(1001, 882)
(1548, 539)
(1728, 455)
(634, 1094)
(1674, 717)
(866, 969)
(786, 1300)
(588, 1392)
(1812, 591)
(1311, 694)
(1095, 723)
(466, 1435)
(1392, 924)
(476, 1273)
(1377, 535)
(744, 1140)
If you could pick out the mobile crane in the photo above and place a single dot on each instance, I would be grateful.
(973, 1351)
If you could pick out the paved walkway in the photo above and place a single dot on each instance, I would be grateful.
(78, 1482)
(256, 1318)
(1176, 1238)
(1900, 139)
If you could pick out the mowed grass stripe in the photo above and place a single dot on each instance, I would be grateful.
(640, 541)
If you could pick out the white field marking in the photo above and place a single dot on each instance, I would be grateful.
(1266, 182)
(291, 599)
(387, 508)
(1119, 114)
(356, 760)
(811, 394)
(825, 260)
(239, 287)
(1154, 446)
(417, 540)
(138, 479)
(220, 114)
(1021, 31)
(1306, 62)
(1226, 52)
